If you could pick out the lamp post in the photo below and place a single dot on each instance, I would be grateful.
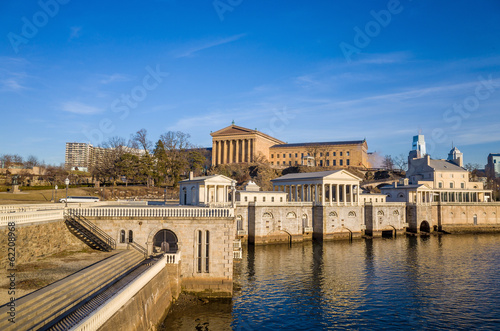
(67, 183)
(55, 197)
(233, 195)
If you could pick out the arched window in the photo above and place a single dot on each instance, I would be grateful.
(333, 214)
(122, 236)
(352, 214)
(267, 215)
(130, 236)
(380, 213)
(291, 215)
(396, 212)
(401, 195)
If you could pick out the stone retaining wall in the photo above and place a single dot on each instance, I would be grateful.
(150, 305)
(38, 240)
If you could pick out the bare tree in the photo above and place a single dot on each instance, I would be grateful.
(388, 162)
(31, 161)
(401, 162)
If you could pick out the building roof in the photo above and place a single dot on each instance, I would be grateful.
(239, 130)
(314, 175)
(420, 165)
(205, 178)
(328, 143)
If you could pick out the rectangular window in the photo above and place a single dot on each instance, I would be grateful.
(347, 162)
(327, 153)
(278, 156)
(272, 163)
(284, 155)
(462, 185)
(281, 199)
(320, 163)
(347, 153)
(272, 156)
(272, 199)
(341, 162)
(284, 163)
(289, 162)
(296, 162)
(334, 153)
(207, 251)
(321, 154)
(254, 199)
(301, 154)
(334, 163)
(296, 154)
(246, 199)
(263, 199)
(327, 163)
(340, 153)
(199, 251)
(290, 155)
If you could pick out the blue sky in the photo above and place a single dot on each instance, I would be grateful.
(300, 71)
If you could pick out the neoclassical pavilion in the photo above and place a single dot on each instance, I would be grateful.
(236, 144)
(213, 191)
(338, 187)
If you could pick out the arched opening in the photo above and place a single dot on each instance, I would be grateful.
(475, 219)
(130, 236)
(122, 236)
(184, 195)
(389, 232)
(425, 227)
(165, 241)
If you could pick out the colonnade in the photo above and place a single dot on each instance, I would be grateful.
(217, 197)
(233, 151)
(339, 194)
(446, 196)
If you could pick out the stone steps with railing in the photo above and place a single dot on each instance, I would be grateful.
(40, 308)
(97, 301)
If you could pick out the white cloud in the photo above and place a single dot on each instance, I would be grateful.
(79, 108)
(191, 50)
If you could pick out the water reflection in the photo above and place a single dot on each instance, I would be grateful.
(408, 282)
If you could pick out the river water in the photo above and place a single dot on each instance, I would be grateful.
(447, 282)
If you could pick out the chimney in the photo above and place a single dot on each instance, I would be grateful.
(428, 159)
(190, 175)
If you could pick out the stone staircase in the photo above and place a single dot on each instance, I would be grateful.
(89, 233)
(45, 307)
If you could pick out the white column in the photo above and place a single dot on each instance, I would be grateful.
(302, 195)
(296, 193)
(357, 195)
(330, 193)
(316, 198)
(337, 194)
(344, 193)
(323, 193)
(351, 194)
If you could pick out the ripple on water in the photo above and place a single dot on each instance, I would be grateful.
(449, 282)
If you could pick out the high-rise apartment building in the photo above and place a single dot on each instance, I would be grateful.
(493, 166)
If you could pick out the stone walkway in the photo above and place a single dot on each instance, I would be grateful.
(32, 276)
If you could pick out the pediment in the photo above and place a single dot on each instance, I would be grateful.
(232, 130)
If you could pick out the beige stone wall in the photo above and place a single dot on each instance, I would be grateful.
(149, 306)
(454, 214)
(37, 240)
(222, 234)
(358, 156)
(385, 217)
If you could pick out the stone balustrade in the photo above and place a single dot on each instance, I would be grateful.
(31, 216)
(98, 317)
(173, 258)
(187, 212)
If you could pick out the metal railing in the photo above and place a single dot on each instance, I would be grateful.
(153, 212)
(92, 228)
(98, 317)
(139, 248)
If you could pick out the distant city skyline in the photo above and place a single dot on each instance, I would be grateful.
(300, 72)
